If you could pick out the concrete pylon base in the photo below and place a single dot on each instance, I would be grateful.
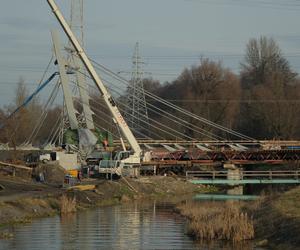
(236, 190)
(234, 173)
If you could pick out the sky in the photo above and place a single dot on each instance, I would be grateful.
(172, 34)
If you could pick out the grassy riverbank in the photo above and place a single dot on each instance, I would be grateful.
(218, 221)
(23, 200)
(277, 220)
(272, 221)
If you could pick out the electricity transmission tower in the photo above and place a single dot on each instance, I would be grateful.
(136, 101)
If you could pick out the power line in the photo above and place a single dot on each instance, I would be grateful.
(126, 111)
(112, 87)
(289, 6)
(236, 101)
(170, 105)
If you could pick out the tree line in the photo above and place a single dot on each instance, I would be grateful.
(23, 126)
(261, 101)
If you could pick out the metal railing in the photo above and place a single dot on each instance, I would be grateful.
(244, 175)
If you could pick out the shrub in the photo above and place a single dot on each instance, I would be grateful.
(218, 221)
(67, 205)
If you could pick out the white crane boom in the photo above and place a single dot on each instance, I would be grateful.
(106, 96)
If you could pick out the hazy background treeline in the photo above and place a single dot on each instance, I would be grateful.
(262, 101)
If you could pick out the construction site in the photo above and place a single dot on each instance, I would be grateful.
(111, 140)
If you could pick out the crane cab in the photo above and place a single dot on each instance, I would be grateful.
(124, 163)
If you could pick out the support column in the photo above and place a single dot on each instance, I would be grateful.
(64, 81)
(84, 95)
(234, 173)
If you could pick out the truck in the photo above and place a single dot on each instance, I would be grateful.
(121, 164)
(124, 161)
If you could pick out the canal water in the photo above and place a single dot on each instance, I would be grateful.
(130, 226)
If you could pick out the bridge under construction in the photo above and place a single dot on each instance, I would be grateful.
(138, 129)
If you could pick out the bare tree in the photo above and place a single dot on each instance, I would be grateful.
(208, 90)
(264, 57)
(280, 116)
(269, 82)
(19, 126)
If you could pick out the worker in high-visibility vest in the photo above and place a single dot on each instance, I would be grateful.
(105, 144)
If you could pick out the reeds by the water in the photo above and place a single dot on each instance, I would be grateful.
(221, 221)
(67, 205)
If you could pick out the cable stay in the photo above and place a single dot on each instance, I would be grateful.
(28, 99)
(177, 119)
(141, 119)
(109, 117)
(156, 110)
(170, 105)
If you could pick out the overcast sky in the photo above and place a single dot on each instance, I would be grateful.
(173, 34)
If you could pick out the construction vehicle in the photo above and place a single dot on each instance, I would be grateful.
(121, 164)
(123, 160)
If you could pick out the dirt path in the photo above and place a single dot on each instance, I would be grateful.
(18, 188)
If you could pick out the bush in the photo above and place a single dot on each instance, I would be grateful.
(67, 205)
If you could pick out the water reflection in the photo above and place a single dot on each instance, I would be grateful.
(132, 226)
(224, 197)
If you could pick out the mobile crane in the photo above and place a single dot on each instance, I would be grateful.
(123, 159)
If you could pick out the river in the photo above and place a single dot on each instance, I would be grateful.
(129, 226)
